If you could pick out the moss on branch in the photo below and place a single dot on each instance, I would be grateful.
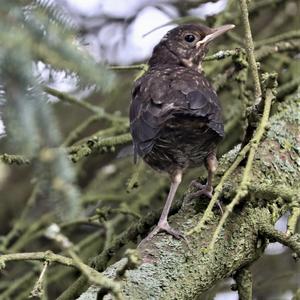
(78, 152)
(97, 145)
(14, 159)
(243, 280)
(293, 242)
(183, 272)
(293, 218)
(267, 50)
(242, 190)
(171, 270)
(250, 50)
(50, 257)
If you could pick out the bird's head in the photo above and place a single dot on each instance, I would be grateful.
(186, 45)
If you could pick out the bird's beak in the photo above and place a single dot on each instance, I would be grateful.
(215, 32)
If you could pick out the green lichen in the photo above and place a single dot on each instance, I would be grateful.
(174, 270)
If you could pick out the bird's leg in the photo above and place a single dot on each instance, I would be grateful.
(207, 189)
(163, 224)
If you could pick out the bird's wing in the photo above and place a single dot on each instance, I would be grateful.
(200, 99)
(148, 111)
(159, 96)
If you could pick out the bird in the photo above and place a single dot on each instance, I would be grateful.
(175, 114)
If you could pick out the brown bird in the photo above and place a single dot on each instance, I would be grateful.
(175, 115)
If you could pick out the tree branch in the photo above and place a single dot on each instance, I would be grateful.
(14, 159)
(250, 51)
(94, 145)
(172, 269)
(243, 280)
(242, 190)
(293, 34)
(99, 111)
(293, 219)
(293, 242)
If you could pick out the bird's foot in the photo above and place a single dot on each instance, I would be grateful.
(164, 227)
(201, 190)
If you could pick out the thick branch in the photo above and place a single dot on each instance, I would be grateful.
(172, 269)
(243, 280)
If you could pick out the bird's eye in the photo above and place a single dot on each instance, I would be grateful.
(189, 38)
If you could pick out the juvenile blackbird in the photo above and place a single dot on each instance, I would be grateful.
(175, 115)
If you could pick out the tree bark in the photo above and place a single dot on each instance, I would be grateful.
(176, 269)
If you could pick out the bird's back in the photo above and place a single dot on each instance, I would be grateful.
(175, 118)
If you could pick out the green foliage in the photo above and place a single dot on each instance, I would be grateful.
(33, 31)
(43, 33)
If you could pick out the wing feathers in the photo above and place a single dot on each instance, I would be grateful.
(156, 100)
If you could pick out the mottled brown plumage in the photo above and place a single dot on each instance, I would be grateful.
(175, 115)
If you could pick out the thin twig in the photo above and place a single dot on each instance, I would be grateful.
(278, 38)
(39, 287)
(92, 145)
(288, 87)
(241, 77)
(95, 277)
(96, 145)
(18, 226)
(250, 51)
(218, 190)
(222, 54)
(133, 180)
(243, 187)
(131, 67)
(74, 134)
(48, 256)
(262, 52)
(293, 242)
(31, 232)
(26, 280)
(40, 256)
(53, 232)
(107, 132)
(72, 100)
(84, 104)
(14, 159)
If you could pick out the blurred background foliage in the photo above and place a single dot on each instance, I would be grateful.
(64, 147)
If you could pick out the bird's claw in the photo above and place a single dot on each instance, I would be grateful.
(196, 184)
(165, 227)
(201, 190)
